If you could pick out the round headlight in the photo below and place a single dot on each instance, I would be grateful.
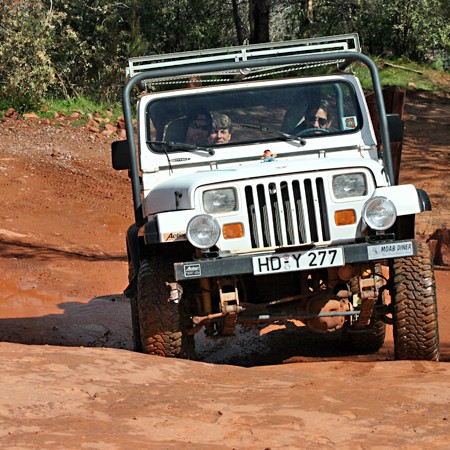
(203, 231)
(379, 213)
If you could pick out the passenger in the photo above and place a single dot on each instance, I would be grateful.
(199, 127)
(221, 129)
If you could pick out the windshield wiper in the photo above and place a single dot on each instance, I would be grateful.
(179, 146)
(280, 134)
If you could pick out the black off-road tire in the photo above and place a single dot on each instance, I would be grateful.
(414, 307)
(162, 327)
(371, 338)
(137, 344)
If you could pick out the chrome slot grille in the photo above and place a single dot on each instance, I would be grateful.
(287, 212)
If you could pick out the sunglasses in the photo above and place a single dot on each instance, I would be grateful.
(321, 120)
(198, 126)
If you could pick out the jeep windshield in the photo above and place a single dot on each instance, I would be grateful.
(251, 113)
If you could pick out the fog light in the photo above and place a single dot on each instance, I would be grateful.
(233, 230)
(379, 213)
(203, 231)
(345, 217)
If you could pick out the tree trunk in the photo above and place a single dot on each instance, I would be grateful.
(238, 23)
(309, 10)
(258, 12)
(309, 17)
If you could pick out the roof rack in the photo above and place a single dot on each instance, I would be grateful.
(312, 46)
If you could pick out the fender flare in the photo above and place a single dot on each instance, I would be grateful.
(424, 200)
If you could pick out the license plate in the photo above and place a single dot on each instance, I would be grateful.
(290, 262)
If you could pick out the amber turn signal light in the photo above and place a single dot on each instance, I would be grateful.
(233, 230)
(345, 217)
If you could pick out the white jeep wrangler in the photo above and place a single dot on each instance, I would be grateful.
(294, 214)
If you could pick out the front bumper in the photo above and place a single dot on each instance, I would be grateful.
(244, 264)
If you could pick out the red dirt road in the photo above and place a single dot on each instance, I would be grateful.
(64, 213)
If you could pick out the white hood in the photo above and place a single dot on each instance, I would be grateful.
(178, 192)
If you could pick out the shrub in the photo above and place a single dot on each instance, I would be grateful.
(26, 71)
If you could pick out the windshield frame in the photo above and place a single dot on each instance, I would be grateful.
(274, 91)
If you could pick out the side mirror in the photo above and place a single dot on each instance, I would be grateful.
(120, 155)
(395, 126)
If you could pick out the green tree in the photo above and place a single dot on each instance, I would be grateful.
(89, 53)
(69, 48)
(181, 25)
(419, 28)
(26, 70)
(411, 28)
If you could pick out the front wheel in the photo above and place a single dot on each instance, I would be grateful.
(131, 292)
(414, 307)
(161, 320)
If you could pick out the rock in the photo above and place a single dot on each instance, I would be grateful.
(11, 112)
(439, 243)
(445, 253)
(109, 130)
(30, 116)
(94, 129)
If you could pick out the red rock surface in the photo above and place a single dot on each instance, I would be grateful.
(69, 379)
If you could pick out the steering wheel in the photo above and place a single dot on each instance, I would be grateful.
(313, 130)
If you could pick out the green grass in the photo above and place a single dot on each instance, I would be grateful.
(407, 74)
(82, 106)
(51, 106)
